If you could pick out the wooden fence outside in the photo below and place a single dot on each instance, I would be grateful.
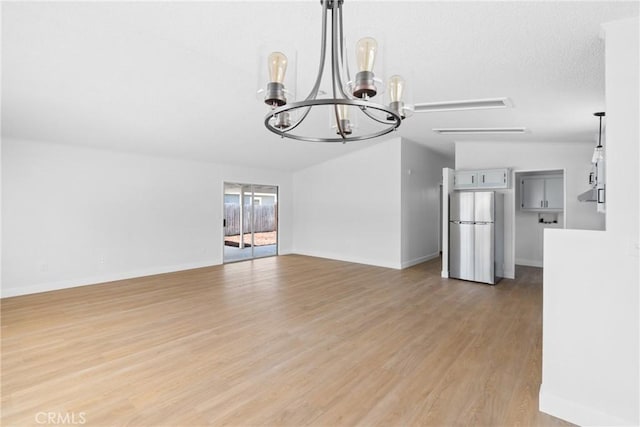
(265, 218)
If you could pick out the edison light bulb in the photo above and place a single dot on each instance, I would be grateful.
(366, 50)
(277, 67)
(344, 122)
(364, 85)
(396, 91)
(343, 112)
(275, 95)
(396, 88)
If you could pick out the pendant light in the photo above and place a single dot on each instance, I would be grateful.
(347, 97)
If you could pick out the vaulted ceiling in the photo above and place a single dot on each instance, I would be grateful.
(180, 78)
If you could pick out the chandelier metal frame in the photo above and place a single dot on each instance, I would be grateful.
(279, 115)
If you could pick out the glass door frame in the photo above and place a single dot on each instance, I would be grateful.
(242, 195)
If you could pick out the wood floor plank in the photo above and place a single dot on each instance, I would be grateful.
(282, 341)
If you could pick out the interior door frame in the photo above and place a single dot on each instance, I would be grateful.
(277, 219)
(515, 205)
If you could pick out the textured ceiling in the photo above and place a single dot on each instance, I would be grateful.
(179, 79)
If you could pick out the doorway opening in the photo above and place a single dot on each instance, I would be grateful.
(539, 204)
(250, 221)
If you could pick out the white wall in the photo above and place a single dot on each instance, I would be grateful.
(591, 307)
(421, 178)
(574, 158)
(75, 216)
(378, 205)
(349, 208)
(529, 238)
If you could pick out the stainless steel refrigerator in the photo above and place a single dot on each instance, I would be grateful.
(476, 247)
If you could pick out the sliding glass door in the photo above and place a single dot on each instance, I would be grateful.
(250, 221)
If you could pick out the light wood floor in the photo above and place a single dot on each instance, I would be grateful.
(288, 340)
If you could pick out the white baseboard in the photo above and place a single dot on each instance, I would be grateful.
(529, 262)
(576, 413)
(422, 259)
(356, 260)
(93, 280)
(507, 275)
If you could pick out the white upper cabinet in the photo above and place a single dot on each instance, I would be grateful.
(542, 193)
(532, 191)
(481, 179)
(554, 193)
(493, 178)
(465, 179)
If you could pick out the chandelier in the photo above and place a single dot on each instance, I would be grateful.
(352, 104)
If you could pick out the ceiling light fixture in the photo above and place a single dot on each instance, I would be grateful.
(348, 97)
(598, 151)
(469, 131)
(472, 104)
(596, 178)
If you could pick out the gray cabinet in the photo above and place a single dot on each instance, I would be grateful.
(481, 179)
(542, 193)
